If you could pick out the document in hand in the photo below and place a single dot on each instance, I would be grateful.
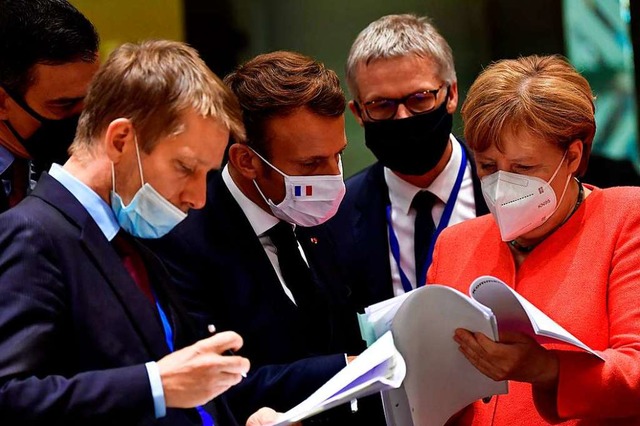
(489, 294)
(378, 368)
(515, 313)
(443, 380)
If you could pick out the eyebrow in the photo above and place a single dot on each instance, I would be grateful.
(321, 157)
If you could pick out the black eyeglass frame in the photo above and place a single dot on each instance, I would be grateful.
(402, 101)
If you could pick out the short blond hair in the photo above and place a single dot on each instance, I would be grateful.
(543, 95)
(153, 83)
(394, 36)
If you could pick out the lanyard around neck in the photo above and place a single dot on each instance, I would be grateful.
(444, 222)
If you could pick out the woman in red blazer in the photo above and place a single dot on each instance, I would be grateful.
(571, 249)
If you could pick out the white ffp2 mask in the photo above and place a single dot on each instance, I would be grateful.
(308, 200)
(520, 203)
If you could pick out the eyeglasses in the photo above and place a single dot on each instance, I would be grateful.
(416, 103)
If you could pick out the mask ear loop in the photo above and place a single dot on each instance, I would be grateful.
(268, 163)
(558, 168)
(135, 139)
(566, 184)
(267, 200)
(113, 169)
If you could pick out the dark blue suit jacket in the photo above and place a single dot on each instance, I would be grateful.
(360, 232)
(75, 331)
(226, 278)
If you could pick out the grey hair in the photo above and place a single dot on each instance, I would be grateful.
(398, 35)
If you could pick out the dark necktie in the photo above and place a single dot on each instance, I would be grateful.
(423, 231)
(294, 269)
(133, 263)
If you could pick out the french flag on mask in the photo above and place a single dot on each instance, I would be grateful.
(303, 190)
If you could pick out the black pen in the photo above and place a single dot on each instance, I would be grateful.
(229, 352)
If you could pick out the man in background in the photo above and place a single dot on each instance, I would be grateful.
(401, 75)
(49, 54)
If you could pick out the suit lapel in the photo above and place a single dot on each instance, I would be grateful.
(141, 313)
(370, 229)
(227, 218)
(481, 204)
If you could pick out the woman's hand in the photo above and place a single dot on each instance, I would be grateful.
(516, 357)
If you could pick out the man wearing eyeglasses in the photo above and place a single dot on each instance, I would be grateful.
(401, 75)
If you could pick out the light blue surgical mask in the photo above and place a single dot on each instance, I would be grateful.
(149, 214)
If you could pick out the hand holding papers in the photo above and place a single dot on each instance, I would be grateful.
(412, 335)
(512, 312)
(515, 313)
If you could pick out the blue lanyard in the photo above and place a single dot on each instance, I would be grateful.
(205, 417)
(444, 221)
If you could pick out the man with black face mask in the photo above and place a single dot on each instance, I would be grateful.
(48, 51)
(401, 75)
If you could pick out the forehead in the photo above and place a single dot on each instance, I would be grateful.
(518, 143)
(304, 133)
(69, 80)
(396, 77)
(202, 140)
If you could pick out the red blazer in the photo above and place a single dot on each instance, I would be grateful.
(586, 276)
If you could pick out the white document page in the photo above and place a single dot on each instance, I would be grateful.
(378, 368)
(515, 313)
(440, 380)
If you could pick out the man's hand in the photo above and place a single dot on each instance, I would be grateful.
(265, 416)
(516, 357)
(262, 417)
(198, 373)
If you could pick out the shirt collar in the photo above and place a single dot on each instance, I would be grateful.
(97, 208)
(260, 220)
(401, 192)
(6, 159)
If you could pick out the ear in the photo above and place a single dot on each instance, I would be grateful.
(357, 112)
(245, 161)
(452, 102)
(118, 139)
(574, 155)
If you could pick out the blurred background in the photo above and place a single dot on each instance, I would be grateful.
(598, 36)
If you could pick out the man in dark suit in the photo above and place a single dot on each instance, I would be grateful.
(49, 53)
(90, 332)
(401, 75)
(256, 259)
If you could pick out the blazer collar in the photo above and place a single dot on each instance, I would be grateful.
(141, 313)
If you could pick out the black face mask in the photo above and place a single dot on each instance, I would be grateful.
(411, 146)
(49, 144)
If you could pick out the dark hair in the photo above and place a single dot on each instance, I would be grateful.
(32, 32)
(277, 84)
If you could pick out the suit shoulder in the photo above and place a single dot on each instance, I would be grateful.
(620, 194)
(359, 179)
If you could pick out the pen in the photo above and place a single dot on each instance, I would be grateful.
(229, 352)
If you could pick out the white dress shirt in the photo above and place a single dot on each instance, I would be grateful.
(261, 222)
(403, 217)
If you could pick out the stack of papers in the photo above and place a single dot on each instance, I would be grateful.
(378, 368)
